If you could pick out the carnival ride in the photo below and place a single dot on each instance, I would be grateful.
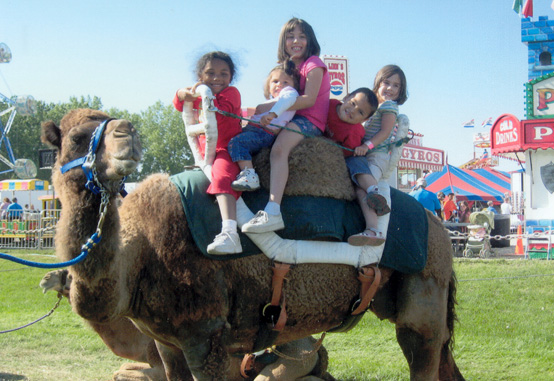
(24, 105)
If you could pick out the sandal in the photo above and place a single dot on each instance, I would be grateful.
(366, 239)
(378, 203)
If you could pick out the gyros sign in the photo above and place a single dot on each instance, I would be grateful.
(422, 155)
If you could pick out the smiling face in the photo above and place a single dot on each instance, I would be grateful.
(355, 109)
(296, 43)
(389, 89)
(278, 80)
(216, 74)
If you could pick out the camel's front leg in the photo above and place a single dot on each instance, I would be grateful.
(204, 351)
(174, 363)
(421, 327)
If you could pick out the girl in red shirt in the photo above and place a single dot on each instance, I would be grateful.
(216, 70)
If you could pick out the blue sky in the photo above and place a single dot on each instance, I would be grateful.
(463, 59)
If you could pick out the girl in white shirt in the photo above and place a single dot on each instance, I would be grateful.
(281, 91)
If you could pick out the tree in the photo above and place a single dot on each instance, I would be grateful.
(164, 141)
(24, 135)
(162, 133)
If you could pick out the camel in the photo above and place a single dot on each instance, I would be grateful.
(147, 268)
(300, 360)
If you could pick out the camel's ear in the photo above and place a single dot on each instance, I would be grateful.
(51, 135)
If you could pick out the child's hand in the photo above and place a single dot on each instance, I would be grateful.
(361, 150)
(266, 119)
(193, 88)
(186, 94)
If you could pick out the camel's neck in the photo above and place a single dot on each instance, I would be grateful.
(78, 222)
(96, 285)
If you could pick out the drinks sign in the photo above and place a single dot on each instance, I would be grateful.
(338, 75)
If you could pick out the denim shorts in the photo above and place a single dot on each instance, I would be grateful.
(357, 165)
(373, 164)
(249, 142)
(306, 127)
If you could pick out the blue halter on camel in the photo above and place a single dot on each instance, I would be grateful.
(88, 162)
(88, 165)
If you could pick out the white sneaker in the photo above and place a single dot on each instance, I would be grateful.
(247, 180)
(263, 222)
(225, 243)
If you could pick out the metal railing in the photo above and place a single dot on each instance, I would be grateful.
(33, 230)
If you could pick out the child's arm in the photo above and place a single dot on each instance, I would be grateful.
(388, 120)
(228, 100)
(387, 124)
(186, 94)
(287, 97)
(313, 83)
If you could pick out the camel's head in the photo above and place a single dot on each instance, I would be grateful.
(119, 149)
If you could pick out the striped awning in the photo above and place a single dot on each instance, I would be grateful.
(403, 164)
(33, 184)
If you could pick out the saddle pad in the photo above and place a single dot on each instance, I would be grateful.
(310, 218)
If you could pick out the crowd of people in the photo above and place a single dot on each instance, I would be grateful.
(12, 210)
(297, 106)
(447, 209)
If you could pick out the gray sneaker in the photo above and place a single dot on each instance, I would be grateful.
(225, 243)
(247, 180)
(263, 222)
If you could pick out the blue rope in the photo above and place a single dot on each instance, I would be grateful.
(84, 252)
(45, 265)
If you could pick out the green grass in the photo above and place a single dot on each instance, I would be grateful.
(505, 330)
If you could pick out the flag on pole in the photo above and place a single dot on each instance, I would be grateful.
(470, 124)
(487, 123)
(517, 6)
(528, 9)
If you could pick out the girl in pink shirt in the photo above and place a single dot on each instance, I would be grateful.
(297, 43)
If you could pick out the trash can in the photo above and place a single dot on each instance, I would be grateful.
(501, 227)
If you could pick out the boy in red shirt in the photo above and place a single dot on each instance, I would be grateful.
(344, 121)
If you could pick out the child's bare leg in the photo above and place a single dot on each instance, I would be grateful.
(245, 164)
(227, 206)
(370, 236)
(370, 216)
(366, 180)
(373, 199)
(270, 219)
(228, 241)
(279, 160)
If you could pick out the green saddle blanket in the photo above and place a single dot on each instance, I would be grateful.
(309, 218)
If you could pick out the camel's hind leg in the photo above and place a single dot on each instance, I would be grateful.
(421, 325)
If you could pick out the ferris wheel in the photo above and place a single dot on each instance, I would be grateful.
(24, 105)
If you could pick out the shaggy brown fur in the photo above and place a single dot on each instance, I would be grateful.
(316, 168)
(208, 310)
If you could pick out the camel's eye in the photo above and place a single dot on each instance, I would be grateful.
(78, 137)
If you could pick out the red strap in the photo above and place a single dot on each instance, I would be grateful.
(279, 272)
(247, 365)
(370, 277)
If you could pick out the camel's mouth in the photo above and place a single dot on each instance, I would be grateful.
(125, 167)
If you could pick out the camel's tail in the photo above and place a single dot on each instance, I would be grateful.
(448, 368)
(451, 317)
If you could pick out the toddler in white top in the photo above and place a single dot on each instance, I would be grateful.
(281, 91)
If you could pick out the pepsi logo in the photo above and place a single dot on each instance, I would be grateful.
(337, 87)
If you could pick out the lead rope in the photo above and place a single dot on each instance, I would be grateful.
(390, 145)
(39, 319)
